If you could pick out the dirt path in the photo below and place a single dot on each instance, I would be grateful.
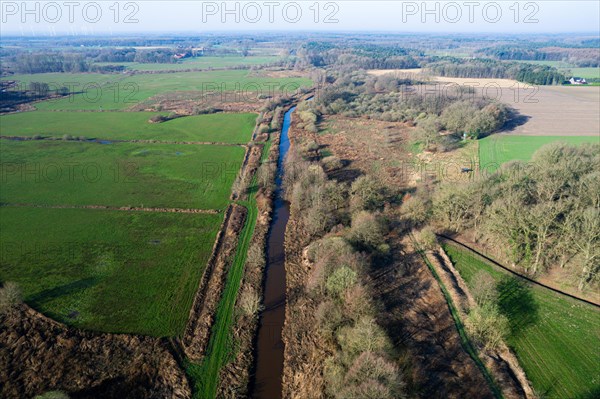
(116, 208)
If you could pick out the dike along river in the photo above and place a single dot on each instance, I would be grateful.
(268, 369)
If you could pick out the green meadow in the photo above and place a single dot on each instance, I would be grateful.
(554, 337)
(113, 271)
(497, 149)
(588, 73)
(43, 172)
(222, 127)
(197, 63)
(116, 92)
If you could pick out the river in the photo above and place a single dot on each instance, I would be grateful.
(268, 369)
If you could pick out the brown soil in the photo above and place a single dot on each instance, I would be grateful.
(209, 292)
(38, 355)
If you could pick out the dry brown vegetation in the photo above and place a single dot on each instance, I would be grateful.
(38, 355)
(428, 351)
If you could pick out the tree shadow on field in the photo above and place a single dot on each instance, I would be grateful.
(515, 119)
(593, 393)
(517, 303)
(62, 290)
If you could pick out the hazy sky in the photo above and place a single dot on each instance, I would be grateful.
(37, 18)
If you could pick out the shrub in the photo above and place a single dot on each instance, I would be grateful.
(484, 288)
(365, 335)
(204, 111)
(249, 301)
(311, 128)
(328, 254)
(319, 219)
(256, 256)
(332, 163)
(367, 390)
(333, 372)
(10, 296)
(457, 116)
(416, 209)
(372, 376)
(427, 239)
(329, 317)
(312, 146)
(67, 137)
(487, 326)
(368, 230)
(357, 303)
(158, 119)
(340, 280)
(367, 194)
(265, 175)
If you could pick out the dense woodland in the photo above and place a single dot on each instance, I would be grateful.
(586, 55)
(488, 68)
(542, 214)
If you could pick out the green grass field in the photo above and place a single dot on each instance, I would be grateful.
(588, 73)
(497, 149)
(222, 127)
(115, 92)
(121, 174)
(554, 337)
(197, 63)
(114, 271)
(74, 81)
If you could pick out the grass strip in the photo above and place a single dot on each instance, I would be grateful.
(205, 375)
